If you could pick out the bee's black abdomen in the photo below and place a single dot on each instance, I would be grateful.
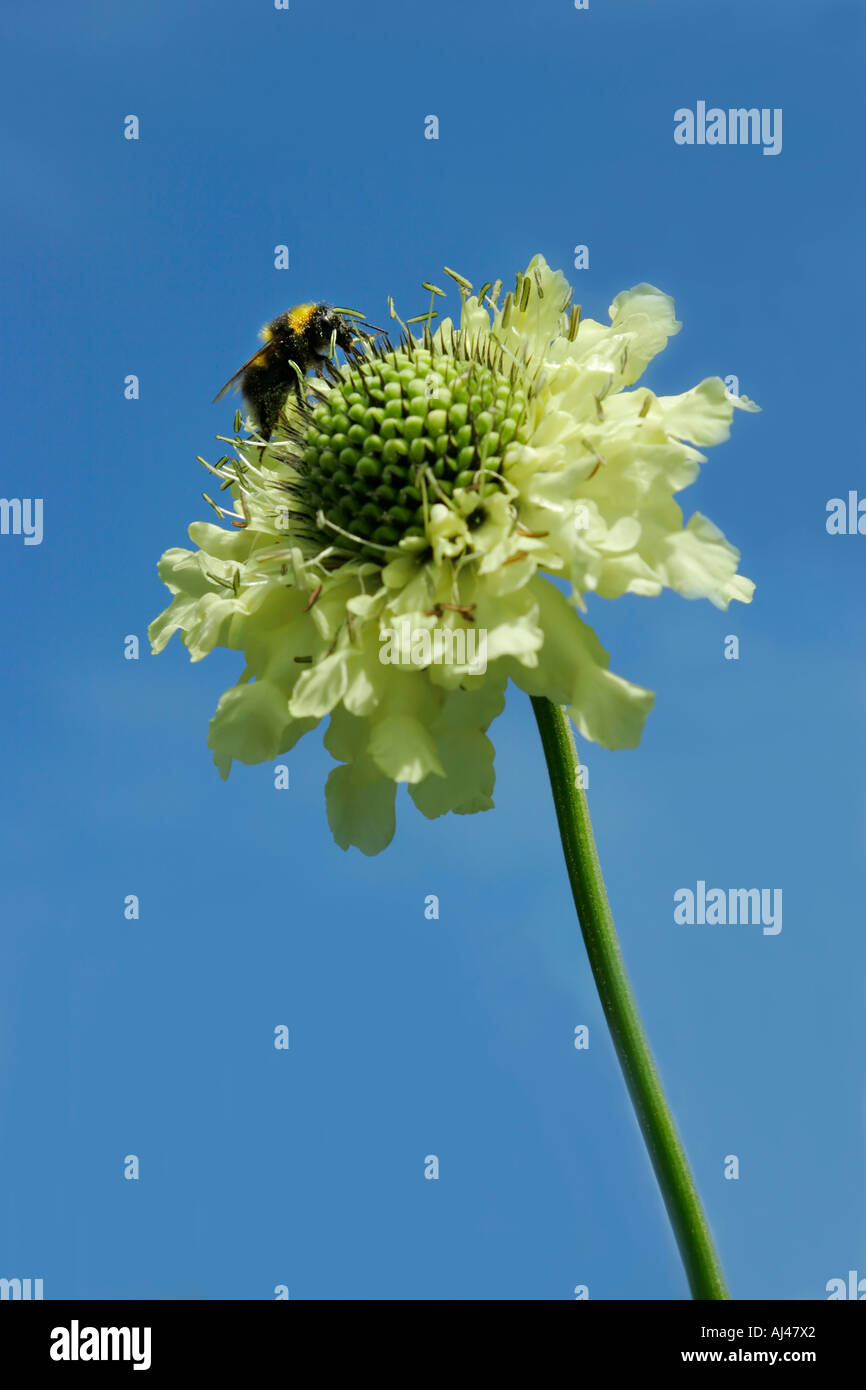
(266, 388)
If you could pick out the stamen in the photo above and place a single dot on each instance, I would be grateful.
(460, 279)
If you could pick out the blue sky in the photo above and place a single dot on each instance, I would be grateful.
(409, 1037)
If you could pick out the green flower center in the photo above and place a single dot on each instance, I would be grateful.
(401, 430)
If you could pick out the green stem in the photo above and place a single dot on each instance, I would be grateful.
(704, 1271)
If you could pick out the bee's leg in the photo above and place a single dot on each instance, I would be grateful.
(265, 422)
(270, 410)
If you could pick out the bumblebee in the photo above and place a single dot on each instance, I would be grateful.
(295, 341)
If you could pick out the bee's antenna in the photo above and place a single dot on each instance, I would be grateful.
(356, 314)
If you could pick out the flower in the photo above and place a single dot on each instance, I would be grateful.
(439, 486)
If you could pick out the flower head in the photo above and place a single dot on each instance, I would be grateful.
(412, 510)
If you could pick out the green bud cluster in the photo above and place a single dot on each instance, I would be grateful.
(400, 423)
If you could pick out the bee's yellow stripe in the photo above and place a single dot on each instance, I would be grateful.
(300, 316)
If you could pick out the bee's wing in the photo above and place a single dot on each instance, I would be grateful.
(257, 356)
